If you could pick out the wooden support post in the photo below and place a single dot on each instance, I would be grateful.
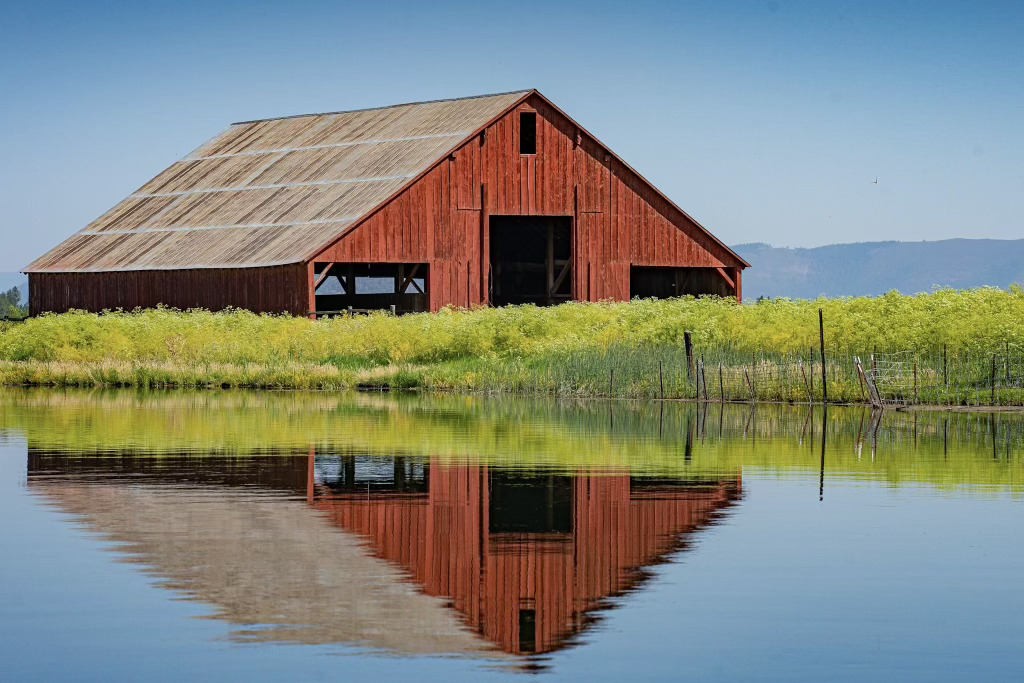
(661, 378)
(721, 385)
(310, 290)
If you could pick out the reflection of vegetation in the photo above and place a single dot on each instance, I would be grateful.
(940, 449)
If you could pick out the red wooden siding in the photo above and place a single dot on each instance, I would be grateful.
(443, 539)
(619, 220)
(278, 289)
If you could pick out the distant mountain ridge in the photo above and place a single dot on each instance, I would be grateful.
(873, 268)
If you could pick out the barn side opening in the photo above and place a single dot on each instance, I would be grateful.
(363, 287)
(667, 282)
(531, 259)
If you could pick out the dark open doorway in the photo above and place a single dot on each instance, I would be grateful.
(531, 260)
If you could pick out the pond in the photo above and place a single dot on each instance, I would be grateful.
(306, 536)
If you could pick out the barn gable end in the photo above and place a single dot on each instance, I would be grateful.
(620, 219)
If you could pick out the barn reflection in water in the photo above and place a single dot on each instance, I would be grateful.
(320, 548)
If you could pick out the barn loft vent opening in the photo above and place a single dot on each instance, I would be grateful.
(531, 259)
(527, 132)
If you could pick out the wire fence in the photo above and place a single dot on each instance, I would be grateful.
(883, 378)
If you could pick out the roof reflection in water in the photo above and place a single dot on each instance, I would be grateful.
(328, 548)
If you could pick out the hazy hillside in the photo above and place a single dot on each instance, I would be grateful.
(876, 267)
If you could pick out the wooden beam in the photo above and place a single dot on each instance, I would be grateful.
(725, 276)
(560, 278)
(323, 276)
(409, 279)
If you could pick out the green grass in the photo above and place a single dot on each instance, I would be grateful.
(766, 351)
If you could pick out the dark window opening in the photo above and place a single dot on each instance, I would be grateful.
(527, 630)
(531, 259)
(364, 287)
(527, 132)
(521, 502)
(664, 283)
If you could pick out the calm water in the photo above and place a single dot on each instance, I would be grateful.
(213, 536)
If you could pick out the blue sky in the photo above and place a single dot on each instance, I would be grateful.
(766, 120)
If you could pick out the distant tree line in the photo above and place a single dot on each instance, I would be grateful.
(10, 304)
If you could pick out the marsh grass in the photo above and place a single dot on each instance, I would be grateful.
(766, 351)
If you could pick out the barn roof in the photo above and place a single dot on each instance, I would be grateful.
(274, 191)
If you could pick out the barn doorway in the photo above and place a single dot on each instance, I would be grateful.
(531, 260)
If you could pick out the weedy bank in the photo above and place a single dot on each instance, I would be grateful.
(949, 346)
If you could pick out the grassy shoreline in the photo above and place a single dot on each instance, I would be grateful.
(766, 351)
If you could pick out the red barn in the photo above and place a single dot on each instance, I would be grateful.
(491, 200)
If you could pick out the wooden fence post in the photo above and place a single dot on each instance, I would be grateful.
(688, 346)
(821, 334)
(661, 379)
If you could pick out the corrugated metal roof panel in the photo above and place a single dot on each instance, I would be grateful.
(266, 192)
